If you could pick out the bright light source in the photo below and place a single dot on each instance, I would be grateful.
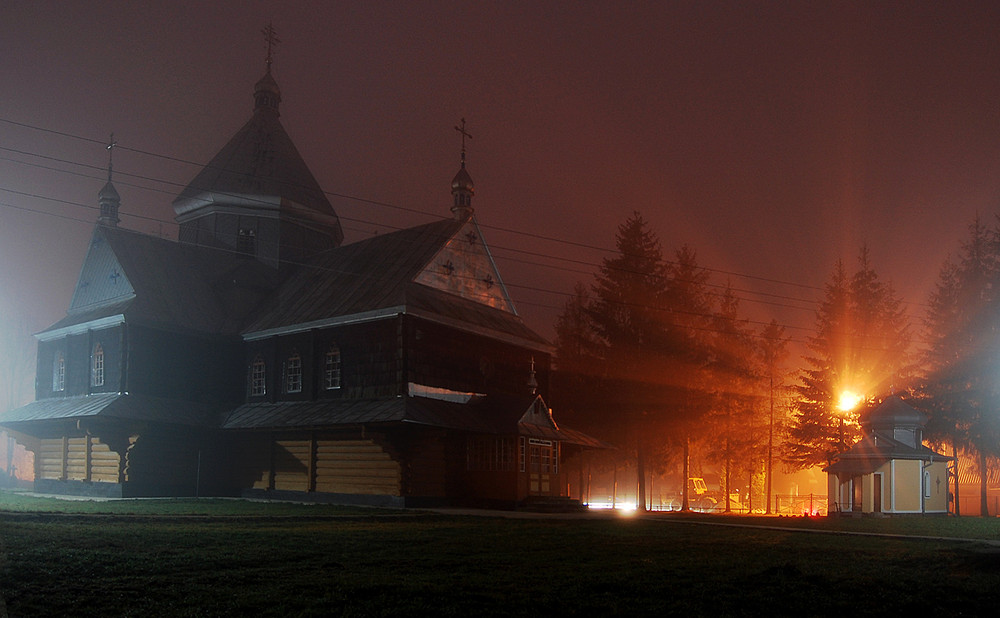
(848, 401)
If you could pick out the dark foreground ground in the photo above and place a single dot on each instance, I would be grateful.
(231, 558)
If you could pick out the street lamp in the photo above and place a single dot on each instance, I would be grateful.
(847, 402)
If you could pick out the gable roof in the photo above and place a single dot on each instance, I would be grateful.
(381, 276)
(162, 282)
(875, 449)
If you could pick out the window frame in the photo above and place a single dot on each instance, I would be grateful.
(258, 376)
(59, 372)
(332, 368)
(97, 366)
(293, 373)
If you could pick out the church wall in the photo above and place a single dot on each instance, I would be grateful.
(446, 358)
(370, 362)
(77, 464)
(78, 351)
(332, 463)
(111, 341)
(170, 364)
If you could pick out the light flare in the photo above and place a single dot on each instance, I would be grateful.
(848, 401)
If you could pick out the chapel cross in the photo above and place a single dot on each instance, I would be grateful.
(111, 145)
(465, 134)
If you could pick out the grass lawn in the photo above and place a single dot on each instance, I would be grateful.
(235, 558)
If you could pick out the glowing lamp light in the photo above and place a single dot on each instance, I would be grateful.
(848, 401)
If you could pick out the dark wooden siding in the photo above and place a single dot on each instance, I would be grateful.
(371, 362)
(169, 364)
(448, 358)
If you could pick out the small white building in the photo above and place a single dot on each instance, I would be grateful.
(890, 470)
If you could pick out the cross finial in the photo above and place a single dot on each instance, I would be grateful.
(465, 134)
(111, 145)
(272, 40)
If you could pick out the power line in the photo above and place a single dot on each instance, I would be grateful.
(532, 235)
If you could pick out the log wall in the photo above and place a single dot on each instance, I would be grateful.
(83, 458)
(329, 465)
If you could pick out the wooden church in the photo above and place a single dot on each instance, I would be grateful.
(259, 356)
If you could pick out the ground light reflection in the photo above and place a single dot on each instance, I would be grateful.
(623, 508)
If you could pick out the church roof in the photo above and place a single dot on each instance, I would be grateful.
(157, 281)
(122, 406)
(260, 162)
(384, 274)
(489, 415)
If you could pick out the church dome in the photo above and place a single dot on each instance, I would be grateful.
(462, 182)
(108, 192)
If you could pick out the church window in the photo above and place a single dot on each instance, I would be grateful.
(331, 368)
(97, 366)
(246, 242)
(59, 372)
(258, 386)
(293, 374)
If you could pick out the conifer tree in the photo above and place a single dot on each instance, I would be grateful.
(735, 374)
(861, 347)
(643, 325)
(962, 381)
(772, 350)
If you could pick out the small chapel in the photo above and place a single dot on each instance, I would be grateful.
(890, 471)
(260, 356)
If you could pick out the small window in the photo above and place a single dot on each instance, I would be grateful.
(97, 366)
(59, 372)
(331, 369)
(293, 374)
(246, 242)
(927, 484)
(258, 385)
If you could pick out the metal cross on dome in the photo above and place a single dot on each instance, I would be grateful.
(272, 40)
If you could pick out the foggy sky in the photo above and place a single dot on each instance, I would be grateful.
(772, 139)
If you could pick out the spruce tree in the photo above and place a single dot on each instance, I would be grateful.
(962, 384)
(861, 346)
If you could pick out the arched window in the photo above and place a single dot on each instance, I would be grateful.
(258, 385)
(293, 374)
(331, 368)
(59, 372)
(97, 366)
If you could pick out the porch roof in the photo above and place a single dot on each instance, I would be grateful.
(114, 405)
(478, 416)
